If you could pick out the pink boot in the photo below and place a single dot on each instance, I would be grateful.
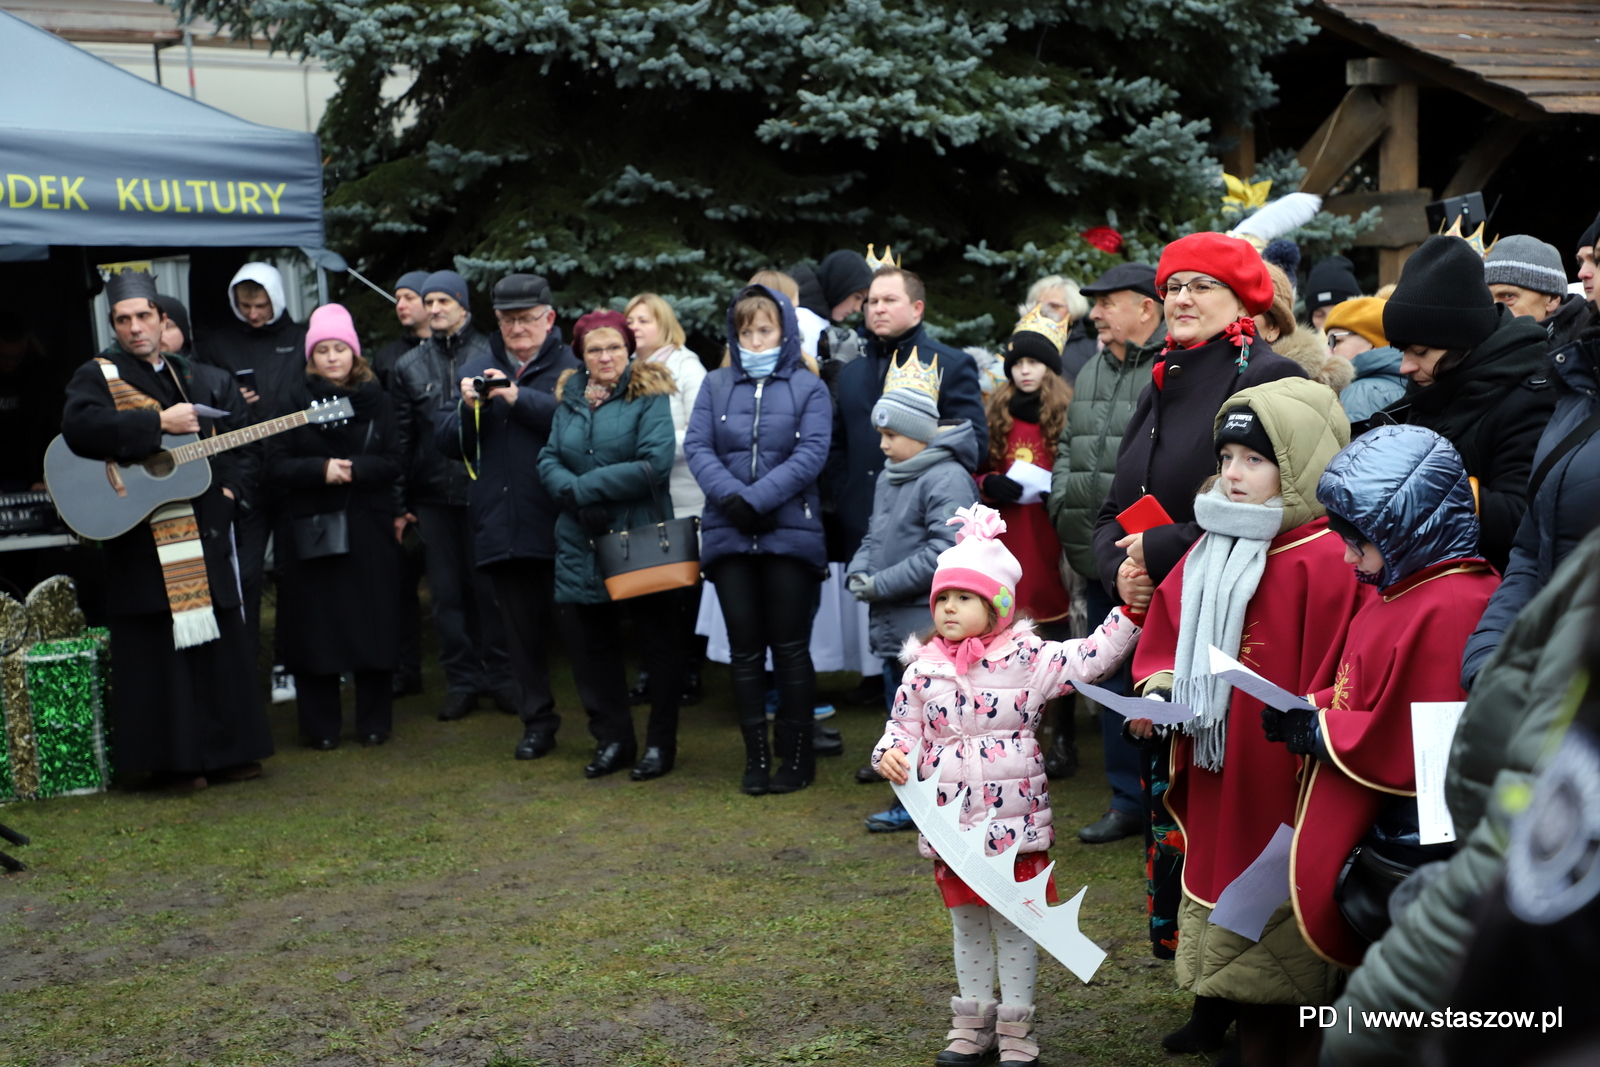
(1014, 1025)
(971, 1033)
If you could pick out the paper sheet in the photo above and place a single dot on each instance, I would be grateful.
(1239, 676)
(1035, 481)
(1261, 888)
(1433, 727)
(993, 878)
(1156, 711)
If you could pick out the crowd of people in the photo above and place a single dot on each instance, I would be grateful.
(1373, 501)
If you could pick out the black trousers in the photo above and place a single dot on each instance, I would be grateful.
(466, 616)
(317, 699)
(533, 620)
(769, 602)
(251, 529)
(598, 668)
(408, 663)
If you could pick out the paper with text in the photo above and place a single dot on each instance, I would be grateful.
(1035, 481)
(1261, 888)
(1433, 727)
(1239, 676)
(1157, 711)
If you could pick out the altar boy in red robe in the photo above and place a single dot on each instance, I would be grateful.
(1268, 585)
(1402, 503)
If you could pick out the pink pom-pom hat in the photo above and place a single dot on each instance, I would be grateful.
(979, 563)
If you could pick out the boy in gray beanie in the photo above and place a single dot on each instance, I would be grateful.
(927, 477)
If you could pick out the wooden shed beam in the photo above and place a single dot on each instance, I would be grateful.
(1342, 139)
(1485, 157)
(1397, 166)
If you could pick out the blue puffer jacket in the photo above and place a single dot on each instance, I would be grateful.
(1378, 383)
(1405, 489)
(765, 441)
(1561, 514)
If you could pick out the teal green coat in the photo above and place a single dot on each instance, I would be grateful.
(611, 456)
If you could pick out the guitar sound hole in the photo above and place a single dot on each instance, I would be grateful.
(160, 465)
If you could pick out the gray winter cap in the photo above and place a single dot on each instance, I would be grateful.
(909, 412)
(1526, 262)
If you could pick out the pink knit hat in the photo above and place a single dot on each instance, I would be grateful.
(980, 563)
(331, 322)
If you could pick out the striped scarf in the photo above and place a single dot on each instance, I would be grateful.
(177, 537)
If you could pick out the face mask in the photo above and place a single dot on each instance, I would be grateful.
(759, 364)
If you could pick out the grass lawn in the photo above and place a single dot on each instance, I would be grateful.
(435, 902)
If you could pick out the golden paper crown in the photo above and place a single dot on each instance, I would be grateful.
(1475, 240)
(1036, 321)
(887, 260)
(912, 374)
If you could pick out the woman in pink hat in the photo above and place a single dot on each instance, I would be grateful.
(337, 557)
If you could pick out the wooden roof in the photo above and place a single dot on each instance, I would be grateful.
(1529, 58)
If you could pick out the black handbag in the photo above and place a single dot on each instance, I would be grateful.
(650, 559)
(327, 533)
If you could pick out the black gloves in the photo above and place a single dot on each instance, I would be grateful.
(745, 518)
(595, 519)
(1002, 490)
(1296, 729)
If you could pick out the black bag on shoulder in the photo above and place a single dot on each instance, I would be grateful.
(327, 533)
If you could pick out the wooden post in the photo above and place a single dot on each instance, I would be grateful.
(1397, 165)
(1240, 160)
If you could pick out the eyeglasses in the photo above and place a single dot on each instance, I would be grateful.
(608, 350)
(1335, 336)
(524, 320)
(1196, 286)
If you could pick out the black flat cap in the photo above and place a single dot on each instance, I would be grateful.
(521, 291)
(1137, 277)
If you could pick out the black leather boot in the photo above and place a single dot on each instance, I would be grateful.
(800, 762)
(757, 759)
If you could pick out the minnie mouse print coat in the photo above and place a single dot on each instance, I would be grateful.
(978, 728)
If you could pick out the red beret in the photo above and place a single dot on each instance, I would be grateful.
(1229, 260)
(601, 320)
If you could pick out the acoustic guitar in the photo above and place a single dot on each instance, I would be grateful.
(104, 498)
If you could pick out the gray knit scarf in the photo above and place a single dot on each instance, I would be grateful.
(1219, 578)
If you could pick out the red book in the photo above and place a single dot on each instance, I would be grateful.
(1143, 514)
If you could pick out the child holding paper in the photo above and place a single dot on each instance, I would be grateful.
(1026, 416)
(1401, 501)
(1266, 584)
(973, 694)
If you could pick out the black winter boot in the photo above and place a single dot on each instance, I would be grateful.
(800, 762)
(1207, 1026)
(757, 760)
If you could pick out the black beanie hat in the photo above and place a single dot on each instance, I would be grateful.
(1029, 344)
(1441, 300)
(1242, 426)
(842, 274)
(1591, 235)
(1332, 281)
(173, 309)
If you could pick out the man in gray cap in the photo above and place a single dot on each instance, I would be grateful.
(513, 518)
(1526, 275)
(472, 643)
(414, 328)
(1127, 314)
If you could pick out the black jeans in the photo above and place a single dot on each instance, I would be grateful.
(317, 699)
(597, 667)
(533, 621)
(769, 602)
(472, 639)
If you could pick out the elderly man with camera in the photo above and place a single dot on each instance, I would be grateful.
(497, 428)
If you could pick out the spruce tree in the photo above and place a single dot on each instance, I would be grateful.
(618, 146)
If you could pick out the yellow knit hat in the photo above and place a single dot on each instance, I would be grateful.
(1363, 315)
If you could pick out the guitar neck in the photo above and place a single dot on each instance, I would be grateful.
(210, 446)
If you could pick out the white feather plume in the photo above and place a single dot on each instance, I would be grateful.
(1280, 216)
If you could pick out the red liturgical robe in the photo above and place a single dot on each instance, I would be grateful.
(1294, 630)
(1404, 647)
(1030, 535)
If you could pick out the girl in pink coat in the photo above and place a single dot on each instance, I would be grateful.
(973, 694)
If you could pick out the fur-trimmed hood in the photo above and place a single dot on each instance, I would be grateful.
(1307, 348)
(640, 378)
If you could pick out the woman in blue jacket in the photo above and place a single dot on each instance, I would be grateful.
(756, 443)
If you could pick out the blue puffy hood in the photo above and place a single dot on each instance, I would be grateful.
(790, 351)
(1405, 489)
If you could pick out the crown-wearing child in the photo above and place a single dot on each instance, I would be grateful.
(972, 695)
(1266, 583)
(927, 478)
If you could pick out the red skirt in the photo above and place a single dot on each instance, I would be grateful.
(956, 892)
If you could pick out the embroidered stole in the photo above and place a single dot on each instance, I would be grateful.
(177, 536)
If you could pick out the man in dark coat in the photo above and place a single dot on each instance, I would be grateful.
(895, 305)
(513, 517)
(472, 640)
(269, 348)
(1478, 376)
(414, 330)
(185, 706)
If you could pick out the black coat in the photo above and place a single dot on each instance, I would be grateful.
(1492, 407)
(856, 459)
(423, 384)
(276, 352)
(1167, 449)
(1565, 509)
(339, 613)
(513, 517)
(384, 361)
(93, 427)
